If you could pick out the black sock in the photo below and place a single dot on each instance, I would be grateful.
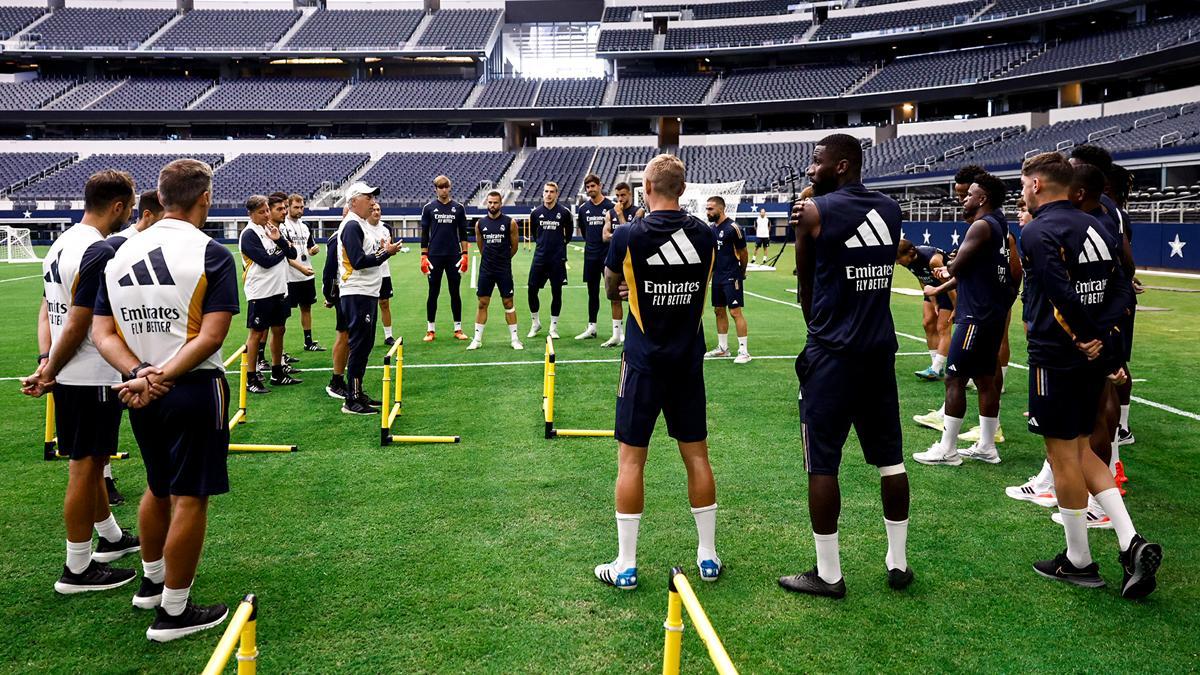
(307, 338)
(277, 372)
(337, 380)
(262, 353)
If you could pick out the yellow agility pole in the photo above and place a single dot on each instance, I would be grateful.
(242, 414)
(680, 595)
(393, 402)
(548, 375)
(241, 632)
(50, 436)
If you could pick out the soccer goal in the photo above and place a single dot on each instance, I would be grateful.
(15, 245)
(695, 195)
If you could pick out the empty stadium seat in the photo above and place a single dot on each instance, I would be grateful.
(460, 28)
(91, 27)
(220, 29)
(355, 29)
(406, 178)
(407, 93)
(303, 173)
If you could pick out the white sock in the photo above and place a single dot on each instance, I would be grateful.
(174, 600)
(706, 530)
(109, 529)
(939, 362)
(457, 326)
(533, 316)
(987, 431)
(723, 341)
(1116, 457)
(742, 344)
(933, 358)
(627, 535)
(952, 426)
(155, 571)
(512, 331)
(1046, 475)
(829, 562)
(479, 332)
(1075, 526)
(942, 410)
(616, 327)
(108, 471)
(1110, 500)
(429, 326)
(897, 536)
(591, 327)
(553, 322)
(387, 331)
(1125, 416)
(1004, 373)
(79, 555)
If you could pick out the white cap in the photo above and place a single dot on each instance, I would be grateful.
(360, 188)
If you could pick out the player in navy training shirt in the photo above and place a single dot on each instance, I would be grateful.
(592, 214)
(937, 307)
(845, 254)
(550, 225)
(729, 275)
(620, 214)
(1074, 343)
(664, 262)
(496, 237)
(443, 251)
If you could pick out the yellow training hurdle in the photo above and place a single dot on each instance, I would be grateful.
(50, 444)
(548, 372)
(242, 628)
(393, 401)
(679, 596)
(240, 417)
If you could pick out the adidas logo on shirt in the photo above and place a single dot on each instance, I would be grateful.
(1033, 421)
(1094, 248)
(676, 251)
(872, 232)
(139, 274)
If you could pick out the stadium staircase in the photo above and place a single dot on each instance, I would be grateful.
(809, 33)
(199, 99)
(346, 89)
(159, 33)
(505, 184)
(116, 83)
(862, 80)
(1026, 58)
(15, 41)
(660, 42)
(537, 91)
(328, 197)
(982, 10)
(476, 92)
(713, 90)
(423, 26)
(307, 13)
(610, 94)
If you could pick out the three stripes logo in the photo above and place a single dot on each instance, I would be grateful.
(1094, 248)
(53, 276)
(872, 232)
(676, 251)
(140, 275)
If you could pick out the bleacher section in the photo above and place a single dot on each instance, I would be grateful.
(560, 93)
(842, 27)
(82, 95)
(279, 94)
(13, 19)
(766, 84)
(757, 164)
(68, 184)
(158, 94)
(507, 93)
(963, 66)
(19, 167)
(716, 10)
(892, 156)
(226, 29)
(736, 35)
(31, 94)
(625, 40)
(336, 30)
(1114, 45)
(90, 27)
(609, 160)
(565, 166)
(1004, 8)
(303, 173)
(386, 93)
(663, 90)
(460, 28)
(406, 178)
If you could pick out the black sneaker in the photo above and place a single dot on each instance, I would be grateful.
(358, 407)
(254, 385)
(149, 595)
(115, 498)
(284, 380)
(314, 346)
(1124, 436)
(290, 370)
(812, 584)
(1140, 563)
(97, 577)
(1061, 569)
(108, 551)
(193, 619)
(366, 398)
(336, 390)
(389, 341)
(288, 359)
(263, 366)
(899, 580)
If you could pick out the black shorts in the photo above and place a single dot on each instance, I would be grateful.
(492, 279)
(339, 322)
(642, 395)
(1064, 403)
(184, 437)
(593, 270)
(87, 419)
(762, 242)
(942, 300)
(838, 391)
(1126, 328)
(265, 313)
(554, 271)
(385, 288)
(974, 349)
(302, 293)
(727, 293)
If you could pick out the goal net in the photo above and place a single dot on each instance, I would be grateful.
(695, 196)
(15, 245)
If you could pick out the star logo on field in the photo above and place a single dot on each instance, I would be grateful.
(902, 235)
(926, 236)
(954, 238)
(1176, 246)
(29, 214)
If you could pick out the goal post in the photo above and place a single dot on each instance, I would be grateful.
(16, 245)
(695, 195)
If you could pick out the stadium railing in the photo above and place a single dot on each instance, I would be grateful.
(549, 369)
(50, 445)
(241, 633)
(680, 596)
(393, 402)
(242, 416)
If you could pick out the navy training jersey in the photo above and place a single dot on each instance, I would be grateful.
(730, 240)
(496, 243)
(443, 228)
(591, 222)
(852, 283)
(920, 266)
(615, 220)
(666, 258)
(1070, 264)
(551, 229)
(985, 288)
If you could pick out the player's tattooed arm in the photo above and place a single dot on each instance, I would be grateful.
(614, 286)
(806, 221)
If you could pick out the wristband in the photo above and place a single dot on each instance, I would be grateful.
(44, 356)
(133, 373)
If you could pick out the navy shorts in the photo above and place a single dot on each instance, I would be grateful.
(339, 317)
(265, 313)
(385, 288)
(554, 271)
(1064, 403)
(678, 396)
(838, 391)
(593, 269)
(87, 419)
(492, 279)
(1126, 328)
(727, 293)
(302, 293)
(974, 349)
(942, 300)
(184, 437)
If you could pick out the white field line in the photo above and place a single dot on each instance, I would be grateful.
(32, 276)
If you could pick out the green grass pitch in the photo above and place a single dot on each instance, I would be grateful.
(478, 557)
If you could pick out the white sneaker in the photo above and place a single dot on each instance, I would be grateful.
(612, 341)
(933, 419)
(717, 353)
(981, 453)
(553, 333)
(936, 454)
(973, 434)
(534, 329)
(1031, 491)
(475, 344)
(587, 334)
(516, 344)
(743, 357)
